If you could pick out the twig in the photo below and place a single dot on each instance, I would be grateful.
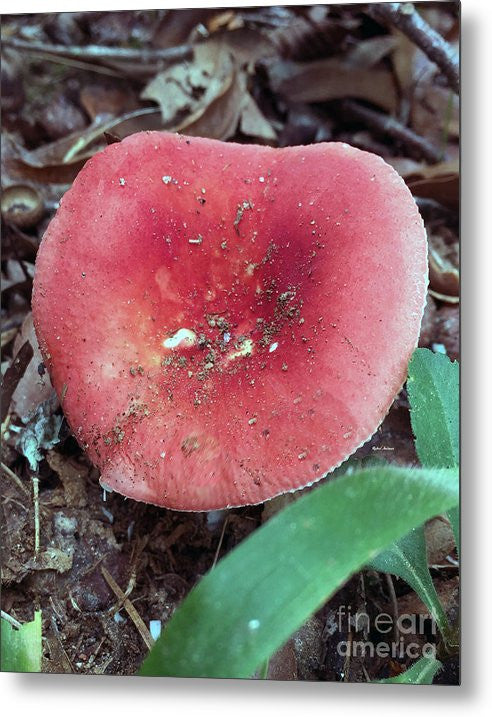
(129, 607)
(346, 662)
(100, 52)
(35, 498)
(406, 18)
(79, 64)
(216, 556)
(394, 606)
(15, 478)
(383, 125)
(15, 623)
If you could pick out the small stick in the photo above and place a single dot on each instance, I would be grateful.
(100, 52)
(15, 623)
(129, 607)
(394, 605)
(346, 662)
(220, 543)
(405, 17)
(35, 498)
(14, 477)
(386, 125)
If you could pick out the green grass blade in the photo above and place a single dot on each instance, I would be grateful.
(246, 608)
(422, 673)
(21, 648)
(407, 559)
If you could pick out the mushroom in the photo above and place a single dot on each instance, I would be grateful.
(223, 322)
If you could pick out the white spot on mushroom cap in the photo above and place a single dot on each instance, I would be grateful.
(245, 350)
(155, 627)
(273, 347)
(182, 336)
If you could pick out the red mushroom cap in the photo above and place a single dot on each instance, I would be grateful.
(225, 322)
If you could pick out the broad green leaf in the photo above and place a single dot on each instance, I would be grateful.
(407, 558)
(245, 609)
(21, 648)
(433, 392)
(421, 673)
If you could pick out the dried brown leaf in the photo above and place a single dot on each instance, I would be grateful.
(73, 475)
(246, 45)
(184, 91)
(368, 53)
(444, 278)
(34, 387)
(102, 102)
(438, 181)
(331, 79)
(435, 113)
(13, 375)
(59, 162)
(176, 26)
(253, 122)
(220, 118)
(439, 539)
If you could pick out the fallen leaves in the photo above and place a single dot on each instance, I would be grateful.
(330, 79)
(14, 374)
(440, 182)
(208, 96)
(34, 387)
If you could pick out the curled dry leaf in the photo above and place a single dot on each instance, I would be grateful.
(176, 26)
(208, 96)
(331, 79)
(246, 45)
(13, 375)
(440, 182)
(253, 122)
(59, 162)
(186, 90)
(34, 386)
(444, 277)
(368, 53)
(445, 298)
(100, 101)
(220, 118)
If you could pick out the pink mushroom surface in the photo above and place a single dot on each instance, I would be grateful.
(226, 322)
